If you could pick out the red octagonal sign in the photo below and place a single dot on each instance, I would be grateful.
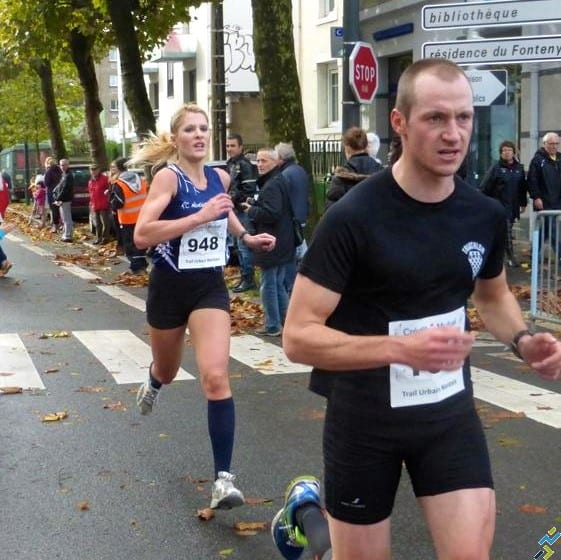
(363, 72)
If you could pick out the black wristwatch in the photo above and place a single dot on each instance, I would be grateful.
(243, 234)
(516, 339)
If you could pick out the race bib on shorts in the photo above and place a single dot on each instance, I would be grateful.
(409, 387)
(204, 246)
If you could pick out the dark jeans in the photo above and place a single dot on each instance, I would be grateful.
(3, 256)
(245, 256)
(136, 256)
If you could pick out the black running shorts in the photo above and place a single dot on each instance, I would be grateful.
(363, 459)
(173, 296)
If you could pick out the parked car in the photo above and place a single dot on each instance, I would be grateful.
(81, 201)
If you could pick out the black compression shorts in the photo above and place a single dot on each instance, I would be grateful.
(363, 461)
(173, 296)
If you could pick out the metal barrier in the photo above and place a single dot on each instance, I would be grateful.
(544, 290)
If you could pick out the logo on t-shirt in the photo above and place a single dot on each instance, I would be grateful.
(474, 252)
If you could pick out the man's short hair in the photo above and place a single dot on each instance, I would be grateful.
(441, 67)
(235, 136)
(271, 151)
(549, 135)
(285, 150)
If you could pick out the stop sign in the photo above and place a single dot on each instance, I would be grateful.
(363, 72)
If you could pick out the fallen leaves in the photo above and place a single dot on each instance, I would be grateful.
(54, 334)
(532, 509)
(119, 406)
(55, 416)
(10, 390)
(246, 315)
(91, 390)
(83, 506)
(249, 528)
(205, 514)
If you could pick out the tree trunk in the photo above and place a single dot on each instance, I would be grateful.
(45, 72)
(275, 61)
(134, 89)
(81, 51)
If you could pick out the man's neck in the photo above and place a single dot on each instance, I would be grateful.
(420, 184)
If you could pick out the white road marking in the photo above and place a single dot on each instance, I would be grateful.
(16, 366)
(124, 297)
(14, 238)
(77, 271)
(536, 403)
(39, 251)
(265, 357)
(123, 354)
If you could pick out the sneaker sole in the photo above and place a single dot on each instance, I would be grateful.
(229, 502)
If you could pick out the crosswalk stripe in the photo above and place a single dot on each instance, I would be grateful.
(16, 366)
(267, 358)
(124, 297)
(39, 251)
(80, 272)
(123, 354)
(536, 403)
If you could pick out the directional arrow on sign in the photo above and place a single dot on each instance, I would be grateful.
(489, 87)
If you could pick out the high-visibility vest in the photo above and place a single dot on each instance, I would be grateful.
(128, 214)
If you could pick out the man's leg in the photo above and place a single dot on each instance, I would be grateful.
(359, 542)
(462, 523)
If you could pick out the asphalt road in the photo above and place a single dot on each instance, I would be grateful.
(106, 483)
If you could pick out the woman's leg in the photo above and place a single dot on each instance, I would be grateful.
(210, 334)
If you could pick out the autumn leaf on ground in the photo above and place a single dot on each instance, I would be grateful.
(249, 528)
(205, 514)
(257, 501)
(10, 390)
(54, 334)
(529, 508)
(55, 416)
(508, 442)
(7, 373)
(83, 506)
(505, 414)
(226, 552)
(51, 370)
(91, 390)
(314, 414)
(115, 406)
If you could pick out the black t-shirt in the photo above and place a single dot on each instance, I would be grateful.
(396, 260)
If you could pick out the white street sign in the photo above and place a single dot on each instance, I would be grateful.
(489, 87)
(490, 14)
(542, 48)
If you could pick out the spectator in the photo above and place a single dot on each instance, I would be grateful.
(98, 187)
(298, 182)
(53, 175)
(243, 185)
(373, 146)
(271, 214)
(128, 194)
(544, 184)
(358, 167)
(506, 182)
(4, 196)
(39, 200)
(63, 195)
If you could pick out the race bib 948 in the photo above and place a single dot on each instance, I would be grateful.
(204, 246)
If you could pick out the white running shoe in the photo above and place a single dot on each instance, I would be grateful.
(224, 494)
(146, 397)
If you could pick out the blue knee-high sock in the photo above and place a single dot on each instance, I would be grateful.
(221, 427)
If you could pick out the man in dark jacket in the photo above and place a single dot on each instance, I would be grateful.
(358, 167)
(299, 184)
(242, 186)
(506, 182)
(270, 213)
(63, 196)
(544, 180)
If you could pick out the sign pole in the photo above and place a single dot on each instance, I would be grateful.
(351, 34)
